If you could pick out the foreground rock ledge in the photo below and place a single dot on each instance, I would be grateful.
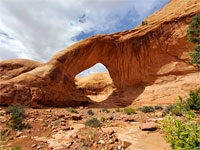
(134, 58)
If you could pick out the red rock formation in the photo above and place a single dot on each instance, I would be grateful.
(96, 86)
(12, 68)
(135, 57)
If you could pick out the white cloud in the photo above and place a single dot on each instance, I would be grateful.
(99, 67)
(40, 28)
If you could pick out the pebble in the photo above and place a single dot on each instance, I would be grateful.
(76, 117)
(111, 141)
(65, 128)
(19, 134)
(101, 142)
(38, 147)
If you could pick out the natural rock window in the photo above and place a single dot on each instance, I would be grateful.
(95, 83)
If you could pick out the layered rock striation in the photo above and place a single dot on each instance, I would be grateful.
(133, 58)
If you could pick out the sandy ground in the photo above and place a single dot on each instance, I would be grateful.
(66, 134)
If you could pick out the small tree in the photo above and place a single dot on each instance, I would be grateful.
(194, 37)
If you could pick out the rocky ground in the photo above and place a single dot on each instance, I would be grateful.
(59, 129)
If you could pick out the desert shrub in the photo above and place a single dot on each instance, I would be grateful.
(94, 123)
(175, 109)
(147, 109)
(43, 122)
(193, 102)
(182, 134)
(184, 107)
(129, 111)
(90, 112)
(14, 109)
(11, 148)
(56, 123)
(144, 22)
(103, 119)
(72, 110)
(117, 110)
(179, 109)
(17, 116)
(104, 110)
(4, 136)
(157, 107)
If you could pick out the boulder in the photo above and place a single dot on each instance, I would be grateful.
(149, 126)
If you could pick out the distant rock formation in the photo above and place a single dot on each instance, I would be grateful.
(138, 57)
(97, 86)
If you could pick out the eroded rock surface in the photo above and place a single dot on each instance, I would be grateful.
(134, 58)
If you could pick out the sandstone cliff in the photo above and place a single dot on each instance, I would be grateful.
(135, 59)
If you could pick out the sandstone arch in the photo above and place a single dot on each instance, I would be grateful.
(135, 57)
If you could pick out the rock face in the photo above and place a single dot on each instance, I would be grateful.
(12, 68)
(136, 57)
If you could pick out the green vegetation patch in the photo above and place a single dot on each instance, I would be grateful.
(158, 107)
(104, 110)
(117, 110)
(103, 119)
(147, 109)
(11, 148)
(72, 110)
(194, 37)
(17, 117)
(90, 112)
(56, 123)
(129, 110)
(182, 134)
(193, 101)
(94, 123)
(144, 23)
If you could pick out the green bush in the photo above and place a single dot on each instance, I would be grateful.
(72, 110)
(182, 134)
(11, 148)
(117, 110)
(147, 109)
(14, 109)
(94, 123)
(1, 114)
(174, 109)
(178, 109)
(129, 111)
(104, 110)
(144, 22)
(193, 102)
(90, 112)
(103, 119)
(56, 123)
(157, 107)
(4, 136)
(17, 116)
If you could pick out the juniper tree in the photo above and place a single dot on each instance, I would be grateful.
(194, 37)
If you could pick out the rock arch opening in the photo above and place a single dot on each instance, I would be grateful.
(95, 83)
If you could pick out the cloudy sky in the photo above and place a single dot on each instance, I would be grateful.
(37, 29)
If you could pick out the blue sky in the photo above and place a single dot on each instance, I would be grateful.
(37, 29)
